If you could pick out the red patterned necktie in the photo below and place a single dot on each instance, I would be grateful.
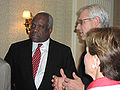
(36, 60)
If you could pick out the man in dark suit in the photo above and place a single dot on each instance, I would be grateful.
(54, 56)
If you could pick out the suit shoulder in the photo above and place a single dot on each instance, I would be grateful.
(20, 45)
(24, 41)
(21, 42)
(58, 44)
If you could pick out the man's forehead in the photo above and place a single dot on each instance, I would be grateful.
(41, 18)
(84, 14)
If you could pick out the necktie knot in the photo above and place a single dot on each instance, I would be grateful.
(39, 45)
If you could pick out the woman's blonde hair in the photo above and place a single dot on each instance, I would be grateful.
(105, 43)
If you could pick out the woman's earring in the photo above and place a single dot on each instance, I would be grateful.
(93, 66)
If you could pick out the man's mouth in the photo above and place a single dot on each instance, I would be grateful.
(81, 33)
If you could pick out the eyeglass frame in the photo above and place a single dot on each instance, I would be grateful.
(80, 21)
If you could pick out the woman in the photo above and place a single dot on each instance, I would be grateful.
(102, 61)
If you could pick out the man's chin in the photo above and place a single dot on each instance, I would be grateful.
(83, 38)
(35, 39)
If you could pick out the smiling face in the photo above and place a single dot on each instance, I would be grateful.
(85, 25)
(39, 30)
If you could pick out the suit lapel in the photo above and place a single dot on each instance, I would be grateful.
(28, 58)
(49, 66)
(50, 56)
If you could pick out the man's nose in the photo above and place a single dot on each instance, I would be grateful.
(36, 29)
(78, 27)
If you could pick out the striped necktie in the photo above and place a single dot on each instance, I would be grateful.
(36, 60)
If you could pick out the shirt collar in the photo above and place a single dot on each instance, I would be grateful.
(45, 45)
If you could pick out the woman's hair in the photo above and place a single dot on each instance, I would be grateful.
(105, 43)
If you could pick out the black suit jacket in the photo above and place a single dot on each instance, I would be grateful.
(19, 57)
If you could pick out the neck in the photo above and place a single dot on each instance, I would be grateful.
(97, 74)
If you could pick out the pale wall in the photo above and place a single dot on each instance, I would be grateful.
(12, 24)
(63, 11)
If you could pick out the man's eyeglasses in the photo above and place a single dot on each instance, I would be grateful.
(80, 21)
(33, 26)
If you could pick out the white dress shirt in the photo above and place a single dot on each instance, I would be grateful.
(42, 65)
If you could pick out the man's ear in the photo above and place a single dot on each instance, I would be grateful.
(97, 21)
(50, 30)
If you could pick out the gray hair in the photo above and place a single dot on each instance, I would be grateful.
(50, 23)
(97, 10)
